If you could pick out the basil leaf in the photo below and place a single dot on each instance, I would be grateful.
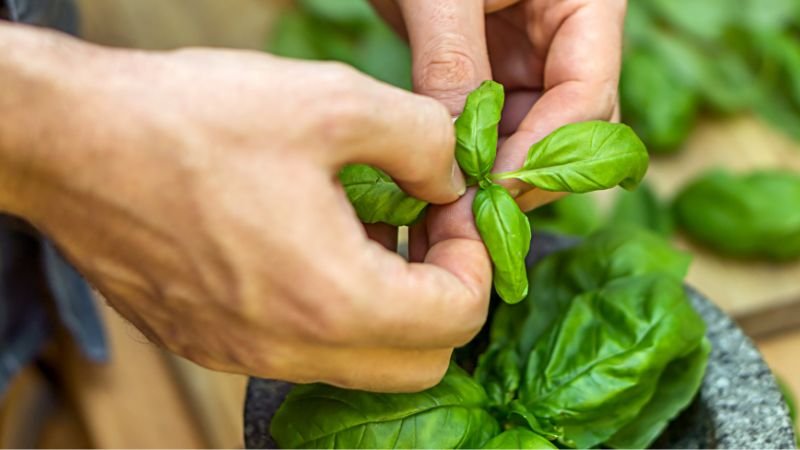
(449, 415)
(376, 198)
(749, 215)
(642, 208)
(476, 129)
(498, 371)
(506, 233)
(676, 388)
(575, 215)
(633, 328)
(606, 255)
(343, 12)
(517, 438)
(583, 157)
(658, 105)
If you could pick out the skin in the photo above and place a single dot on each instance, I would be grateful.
(196, 191)
(558, 59)
(165, 178)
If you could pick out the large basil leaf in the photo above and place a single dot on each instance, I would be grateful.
(506, 233)
(606, 255)
(594, 370)
(449, 415)
(676, 388)
(642, 208)
(476, 129)
(756, 214)
(518, 438)
(376, 198)
(584, 157)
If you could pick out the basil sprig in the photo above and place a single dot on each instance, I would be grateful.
(579, 157)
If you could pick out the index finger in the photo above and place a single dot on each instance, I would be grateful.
(582, 42)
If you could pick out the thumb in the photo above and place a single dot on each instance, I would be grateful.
(410, 136)
(448, 44)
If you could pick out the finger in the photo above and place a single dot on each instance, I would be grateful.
(369, 369)
(409, 136)
(583, 47)
(390, 12)
(440, 303)
(496, 5)
(417, 241)
(448, 46)
(384, 234)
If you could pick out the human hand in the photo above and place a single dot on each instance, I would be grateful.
(196, 190)
(559, 61)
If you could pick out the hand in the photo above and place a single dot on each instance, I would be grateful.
(196, 191)
(558, 59)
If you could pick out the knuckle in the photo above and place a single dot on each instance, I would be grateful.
(339, 121)
(448, 70)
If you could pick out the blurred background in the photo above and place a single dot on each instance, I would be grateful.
(712, 87)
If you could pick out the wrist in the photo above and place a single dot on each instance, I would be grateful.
(46, 79)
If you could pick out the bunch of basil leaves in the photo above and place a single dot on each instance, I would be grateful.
(683, 57)
(605, 351)
(580, 157)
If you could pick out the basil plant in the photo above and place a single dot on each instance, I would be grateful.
(606, 351)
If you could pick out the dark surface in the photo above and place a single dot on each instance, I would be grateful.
(739, 404)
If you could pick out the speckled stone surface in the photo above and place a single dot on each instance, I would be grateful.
(738, 406)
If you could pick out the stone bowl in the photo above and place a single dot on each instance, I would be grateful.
(739, 404)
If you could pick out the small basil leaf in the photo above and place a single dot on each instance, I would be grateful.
(583, 157)
(633, 328)
(448, 415)
(507, 235)
(517, 438)
(476, 130)
(676, 388)
(376, 198)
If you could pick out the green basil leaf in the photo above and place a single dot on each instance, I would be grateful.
(749, 215)
(658, 105)
(642, 208)
(706, 20)
(517, 438)
(575, 215)
(676, 388)
(476, 129)
(584, 157)
(498, 371)
(376, 198)
(506, 233)
(350, 13)
(635, 326)
(605, 256)
(449, 415)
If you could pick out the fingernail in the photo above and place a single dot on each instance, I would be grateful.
(459, 184)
